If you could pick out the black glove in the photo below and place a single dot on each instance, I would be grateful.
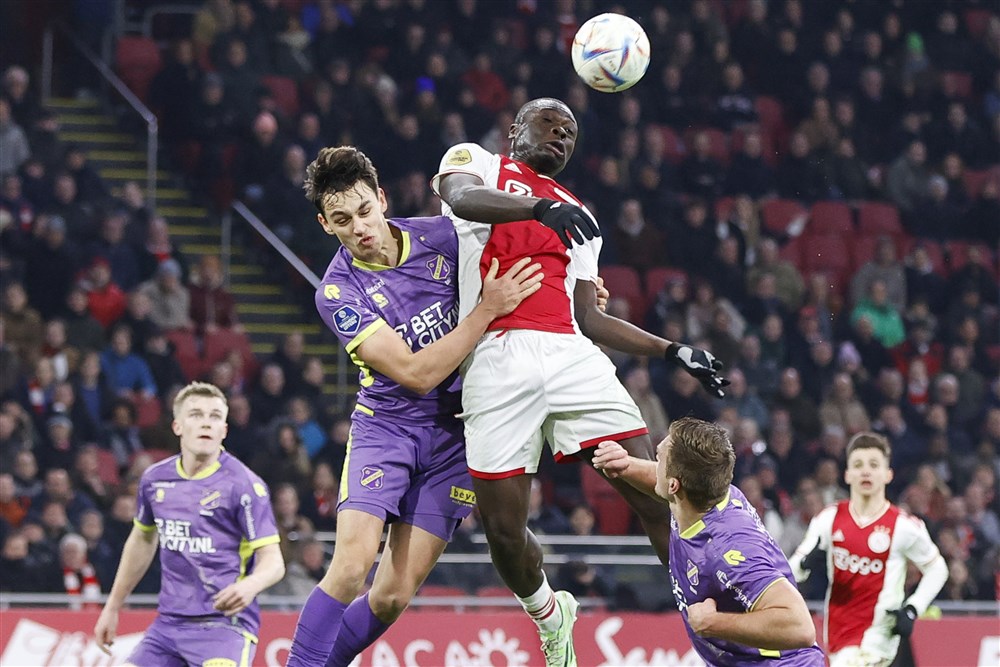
(566, 220)
(701, 365)
(906, 616)
(816, 559)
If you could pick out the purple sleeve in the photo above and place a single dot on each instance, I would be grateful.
(256, 518)
(347, 312)
(751, 569)
(143, 505)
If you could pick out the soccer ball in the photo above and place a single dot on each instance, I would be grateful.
(610, 52)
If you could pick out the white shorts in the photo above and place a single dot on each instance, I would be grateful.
(855, 656)
(521, 388)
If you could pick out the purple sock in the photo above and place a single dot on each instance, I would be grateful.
(317, 628)
(359, 630)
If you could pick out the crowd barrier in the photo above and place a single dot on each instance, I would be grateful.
(42, 637)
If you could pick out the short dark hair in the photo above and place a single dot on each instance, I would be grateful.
(869, 440)
(702, 459)
(337, 170)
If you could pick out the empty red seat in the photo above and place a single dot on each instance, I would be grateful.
(876, 218)
(147, 410)
(107, 466)
(792, 252)
(830, 217)
(623, 282)
(285, 91)
(958, 255)
(826, 253)
(723, 207)
(673, 146)
(137, 60)
(186, 352)
(658, 277)
(778, 214)
(220, 343)
(976, 21)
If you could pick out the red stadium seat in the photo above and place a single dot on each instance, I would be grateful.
(623, 282)
(830, 218)
(148, 411)
(777, 214)
(673, 146)
(958, 255)
(826, 253)
(656, 280)
(934, 251)
(137, 61)
(723, 207)
(107, 467)
(613, 514)
(220, 343)
(186, 351)
(876, 218)
(158, 454)
(959, 84)
(771, 113)
(792, 252)
(286, 93)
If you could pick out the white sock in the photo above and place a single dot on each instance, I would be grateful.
(542, 608)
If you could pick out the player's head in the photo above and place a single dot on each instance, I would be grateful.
(543, 135)
(342, 184)
(695, 463)
(868, 470)
(200, 411)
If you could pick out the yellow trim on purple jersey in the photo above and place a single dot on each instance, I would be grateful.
(364, 335)
(693, 529)
(371, 266)
(201, 474)
(343, 473)
(364, 409)
(766, 588)
(143, 527)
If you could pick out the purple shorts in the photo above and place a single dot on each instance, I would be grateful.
(412, 473)
(170, 643)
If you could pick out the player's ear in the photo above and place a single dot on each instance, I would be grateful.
(321, 219)
(382, 201)
(176, 428)
(512, 131)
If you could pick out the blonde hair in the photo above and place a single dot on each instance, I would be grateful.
(198, 389)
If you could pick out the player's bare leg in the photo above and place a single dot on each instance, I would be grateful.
(359, 535)
(410, 554)
(653, 515)
(517, 557)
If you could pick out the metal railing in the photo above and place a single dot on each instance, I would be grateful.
(152, 127)
(258, 225)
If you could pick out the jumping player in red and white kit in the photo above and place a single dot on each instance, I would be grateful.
(536, 375)
(865, 543)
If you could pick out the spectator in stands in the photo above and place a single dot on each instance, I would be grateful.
(310, 432)
(788, 284)
(304, 571)
(700, 173)
(92, 388)
(23, 572)
(734, 107)
(284, 460)
(885, 319)
(90, 188)
(886, 268)
(635, 241)
(673, 105)
(51, 263)
(23, 329)
(242, 83)
(170, 299)
(212, 305)
(128, 373)
(14, 148)
(86, 333)
(105, 299)
(58, 489)
(802, 411)
(160, 355)
(121, 434)
(114, 247)
(257, 162)
(174, 87)
(290, 356)
(803, 174)
(16, 90)
(841, 407)
(692, 237)
(852, 178)
(99, 552)
(60, 447)
(79, 576)
(907, 179)
(13, 509)
(637, 382)
(292, 526)
(748, 173)
(91, 480)
(923, 281)
(321, 504)
(158, 249)
(60, 200)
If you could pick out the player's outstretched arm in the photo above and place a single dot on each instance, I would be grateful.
(140, 548)
(421, 371)
(626, 337)
(615, 462)
(472, 200)
(268, 569)
(778, 621)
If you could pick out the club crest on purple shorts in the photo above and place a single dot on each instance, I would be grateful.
(372, 477)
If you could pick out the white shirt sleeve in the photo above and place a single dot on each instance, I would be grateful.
(817, 534)
(921, 550)
(467, 158)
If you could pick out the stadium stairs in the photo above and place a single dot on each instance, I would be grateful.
(265, 309)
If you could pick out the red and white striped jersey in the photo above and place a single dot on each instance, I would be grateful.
(551, 307)
(866, 568)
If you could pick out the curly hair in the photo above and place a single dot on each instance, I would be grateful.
(337, 170)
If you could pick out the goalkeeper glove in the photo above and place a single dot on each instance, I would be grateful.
(566, 220)
(701, 365)
(906, 616)
(814, 559)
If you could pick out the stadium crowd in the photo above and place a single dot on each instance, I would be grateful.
(809, 189)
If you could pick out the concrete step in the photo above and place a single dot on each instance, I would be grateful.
(70, 103)
(102, 138)
(116, 156)
(178, 231)
(172, 212)
(67, 120)
(255, 289)
(269, 309)
(127, 174)
(244, 270)
(281, 328)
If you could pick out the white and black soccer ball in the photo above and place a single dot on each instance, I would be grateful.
(610, 52)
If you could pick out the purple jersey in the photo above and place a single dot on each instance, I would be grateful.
(418, 299)
(209, 526)
(729, 556)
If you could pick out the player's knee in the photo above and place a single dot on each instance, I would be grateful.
(388, 605)
(345, 579)
(505, 535)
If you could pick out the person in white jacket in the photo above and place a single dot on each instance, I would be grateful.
(865, 543)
